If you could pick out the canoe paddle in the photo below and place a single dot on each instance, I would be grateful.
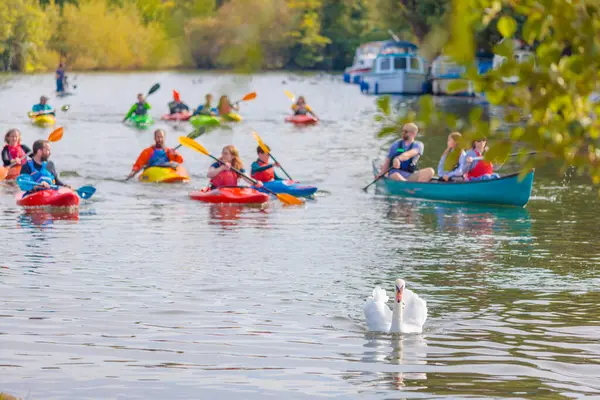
(376, 179)
(265, 148)
(293, 99)
(249, 96)
(54, 136)
(27, 185)
(192, 135)
(283, 197)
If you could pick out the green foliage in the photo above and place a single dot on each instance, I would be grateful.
(547, 107)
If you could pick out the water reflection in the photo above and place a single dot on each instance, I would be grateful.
(43, 218)
(228, 216)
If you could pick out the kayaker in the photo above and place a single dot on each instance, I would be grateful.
(477, 169)
(206, 108)
(220, 174)
(156, 155)
(457, 171)
(60, 79)
(40, 169)
(43, 108)
(261, 169)
(301, 108)
(177, 106)
(139, 108)
(14, 153)
(403, 156)
(225, 107)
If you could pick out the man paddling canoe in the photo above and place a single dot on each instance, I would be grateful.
(156, 155)
(403, 156)
(40, 169)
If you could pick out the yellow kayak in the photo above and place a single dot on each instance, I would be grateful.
(231, 117)
(44, 120)
(165, 174)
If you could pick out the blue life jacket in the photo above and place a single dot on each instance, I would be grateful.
(140, 109)
(159, 157)
(409, 165)
(43, 175)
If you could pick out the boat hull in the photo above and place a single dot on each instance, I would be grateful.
(506, 191)
(62, 197)
(301, 119)
(233, 195)
(289, 187)
(44, 120)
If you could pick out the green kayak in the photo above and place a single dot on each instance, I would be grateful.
(204, 120)
(141, 121)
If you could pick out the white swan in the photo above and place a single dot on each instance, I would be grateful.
(408, 316)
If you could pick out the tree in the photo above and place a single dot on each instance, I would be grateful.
(550, 110)
(308, 43)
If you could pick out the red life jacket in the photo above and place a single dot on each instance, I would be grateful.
(481, 168)
(225, 178)
(17, 151)
(264, 176)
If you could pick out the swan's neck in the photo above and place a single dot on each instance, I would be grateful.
(397, 317)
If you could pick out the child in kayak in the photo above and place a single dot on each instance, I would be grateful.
(221, 174)
(206, 108)
(40, 169)
(261, 169)
(457, 171)
(14, 153)
(177, 106)
(43, 108)
(301, 108)
(225, 107)
(475, 168)
(156, 155)
(139, 108)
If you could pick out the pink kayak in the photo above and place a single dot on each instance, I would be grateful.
(301, 119)
(182, 116)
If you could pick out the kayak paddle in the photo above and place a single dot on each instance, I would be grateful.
(65, 107)
(283, 197)
(290, 95)
(27, 185)
(249, 96)
(153, 89)
(376, 179)
(54, 136)
(264, 148)
(192, 135)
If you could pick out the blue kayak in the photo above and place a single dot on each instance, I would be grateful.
(289, 187)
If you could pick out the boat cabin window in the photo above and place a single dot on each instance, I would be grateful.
(415, 65)
(385, 64)
(399, 63)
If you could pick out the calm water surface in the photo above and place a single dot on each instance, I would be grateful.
(148, 294)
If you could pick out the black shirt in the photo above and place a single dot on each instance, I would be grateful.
(25, 170)
(6, 155)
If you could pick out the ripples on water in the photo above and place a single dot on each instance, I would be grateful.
(147, 294)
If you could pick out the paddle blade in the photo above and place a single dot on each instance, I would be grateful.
(25, 183)
(262, 144)
(65, 107)
(56, 134)
(3, 173)
(85, 192)
(192, 144)
(176, 96)
(288, 94)
(197, 133)
(249, 96)
(289, 199)
(154, 88)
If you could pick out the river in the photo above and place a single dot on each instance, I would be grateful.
(148, 294)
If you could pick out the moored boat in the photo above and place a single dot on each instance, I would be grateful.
(396, 73)
(507, 190)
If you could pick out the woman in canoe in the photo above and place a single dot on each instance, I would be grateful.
(301, 108)
(14, 154)
(261, 169)
(457, 171)
(221, 174)
(476, 168)
(225, 107)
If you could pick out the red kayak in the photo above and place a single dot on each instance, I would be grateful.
(182, 116)
(62, 197)
(239, 195)
(301, 119)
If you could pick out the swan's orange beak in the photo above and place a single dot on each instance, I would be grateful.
(399, 294)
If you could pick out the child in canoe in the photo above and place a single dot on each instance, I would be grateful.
(456, 172)
(221, 173)
(261, 169)
(477, 169)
